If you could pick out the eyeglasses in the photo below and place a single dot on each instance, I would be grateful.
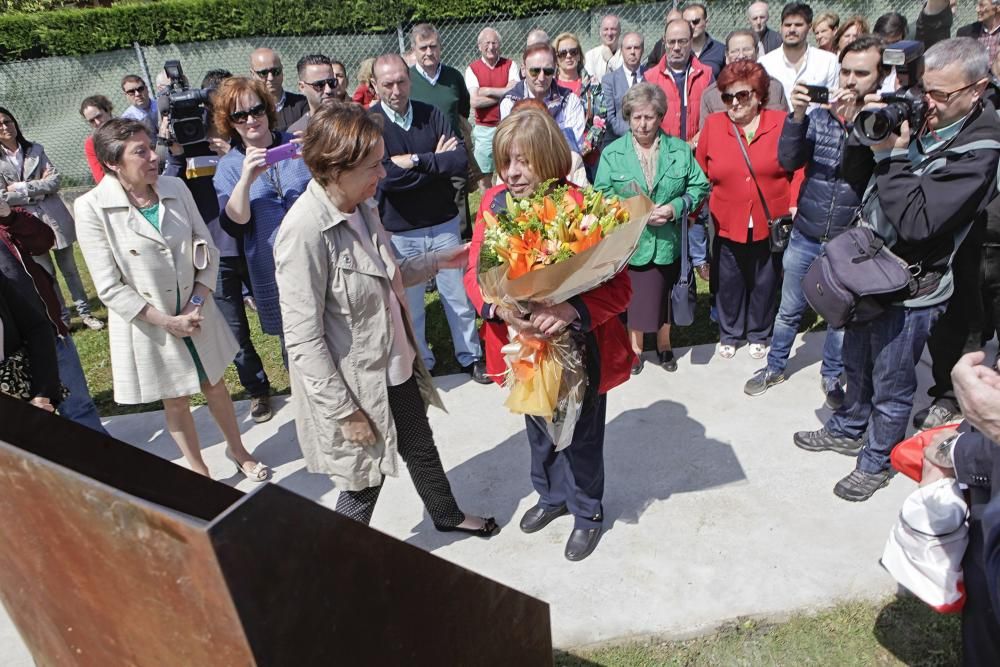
(941, 97)
(7, 123)
(272, 71)
(568, 53)
(534, 72)
(742, 96)
(132, 92)
(240, 117)
(695, 21)
(320, 86)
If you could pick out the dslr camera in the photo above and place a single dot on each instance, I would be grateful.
(874, 126)
(186, 108)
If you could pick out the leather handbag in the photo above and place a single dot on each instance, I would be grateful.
(684, 294)
(855, 276)
(778, 229)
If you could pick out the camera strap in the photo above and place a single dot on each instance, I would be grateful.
(746, 158)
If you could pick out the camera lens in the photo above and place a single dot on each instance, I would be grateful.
(875, 126)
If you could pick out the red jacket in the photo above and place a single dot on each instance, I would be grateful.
(96, 170)
(698, 79)
(734, 197)
(599, 315)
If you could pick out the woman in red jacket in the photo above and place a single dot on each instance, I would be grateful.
(96, 110)
(529, 149)
(744, 269)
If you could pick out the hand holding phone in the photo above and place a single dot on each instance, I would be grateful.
(282, 152)
(818, 94)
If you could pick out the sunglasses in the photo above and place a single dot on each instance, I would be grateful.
(533, 72)
(240, 117)
(743, 97)
(695, 21)
(568, 53)
(320, 86)
(273, 71)
(131, 92)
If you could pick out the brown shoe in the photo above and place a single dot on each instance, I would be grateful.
(260, 408)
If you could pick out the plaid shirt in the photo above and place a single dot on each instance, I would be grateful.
(990, 41)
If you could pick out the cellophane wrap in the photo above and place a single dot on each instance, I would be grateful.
(546, 376)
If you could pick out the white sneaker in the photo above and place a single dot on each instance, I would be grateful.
(727, 351)
(757, 350)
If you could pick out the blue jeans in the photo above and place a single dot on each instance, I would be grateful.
(698, 240)
(880, 360)
(461, 316)
(78, 406)
(233, 276)
(799, 254)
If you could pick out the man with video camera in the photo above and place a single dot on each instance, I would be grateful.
(935, 174)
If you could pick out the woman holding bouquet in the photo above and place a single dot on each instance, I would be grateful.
(530, 151)
(359, 388)
(664, 169)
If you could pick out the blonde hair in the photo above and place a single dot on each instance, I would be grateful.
(555, 49)
(539, 139)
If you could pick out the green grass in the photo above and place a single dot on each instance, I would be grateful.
(897, 631)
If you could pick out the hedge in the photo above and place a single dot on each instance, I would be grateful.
(72, 32)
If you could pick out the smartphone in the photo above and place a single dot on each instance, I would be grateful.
(818, 94)
(282, 152)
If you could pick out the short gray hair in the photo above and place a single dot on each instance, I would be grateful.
(644, 93)
(110, 140)
(966, 52)
(422, 31)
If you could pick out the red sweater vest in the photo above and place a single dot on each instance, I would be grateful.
(495, 77)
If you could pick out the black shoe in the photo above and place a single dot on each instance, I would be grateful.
(430, 286)
(824, 441)
(937, 414)
(488, 529)
(762, 381)
(537, 518)
(667, 360)
(860, 485)
(260, 408)
(638, 365)
(834, 392)
(477, 369)
(582, 542)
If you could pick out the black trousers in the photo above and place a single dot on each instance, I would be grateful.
(573, 476)
(991, 291)
(748, 275)
(417, 449)
(959, 329)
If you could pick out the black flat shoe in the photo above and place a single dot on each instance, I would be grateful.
(637, 366)
(667, 360)
(582, 542)
(537, 518)
(488, 529)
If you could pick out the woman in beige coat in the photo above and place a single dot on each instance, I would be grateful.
(359, 388)
(153, 263)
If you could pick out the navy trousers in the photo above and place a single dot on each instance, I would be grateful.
(573, 476)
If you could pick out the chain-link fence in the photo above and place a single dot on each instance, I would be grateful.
(45, 94)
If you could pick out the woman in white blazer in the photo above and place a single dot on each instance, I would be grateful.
(29, 181)
(154, 266)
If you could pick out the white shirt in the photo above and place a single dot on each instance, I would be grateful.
(819, 68)
(472, 81)
(15, 158)
(629, 75)
(571, 118)
(430, 79)
(599, 61)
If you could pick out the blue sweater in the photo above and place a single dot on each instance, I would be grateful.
(421, 197)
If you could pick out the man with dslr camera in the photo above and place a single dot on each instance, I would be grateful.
(927, 191)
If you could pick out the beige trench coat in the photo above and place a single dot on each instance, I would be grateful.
(133, 265)
(338, 330)
(42, 198)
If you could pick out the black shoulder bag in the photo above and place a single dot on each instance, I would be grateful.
(779, 229)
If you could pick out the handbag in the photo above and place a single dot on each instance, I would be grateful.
(684, 294)
(778, 229)
(15, 376)
(855, 276)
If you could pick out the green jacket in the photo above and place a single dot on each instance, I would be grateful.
(676, 173)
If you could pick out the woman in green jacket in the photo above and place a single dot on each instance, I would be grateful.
(663, 168)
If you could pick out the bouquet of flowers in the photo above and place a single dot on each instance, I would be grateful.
(546, 249)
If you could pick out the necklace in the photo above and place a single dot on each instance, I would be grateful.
(144, 201)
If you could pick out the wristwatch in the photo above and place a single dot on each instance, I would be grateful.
(197, 300)
(942, 453)
(415, 159)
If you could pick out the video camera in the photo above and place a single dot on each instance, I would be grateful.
(186, 108)
(874, 126)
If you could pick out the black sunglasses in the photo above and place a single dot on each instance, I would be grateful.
(240, 117)
(565, 53)
(273, 71)
(535, 71)
(742, 97)
(135, 91)
(321, 85)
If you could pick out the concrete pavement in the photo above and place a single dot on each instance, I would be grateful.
(711, 511)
